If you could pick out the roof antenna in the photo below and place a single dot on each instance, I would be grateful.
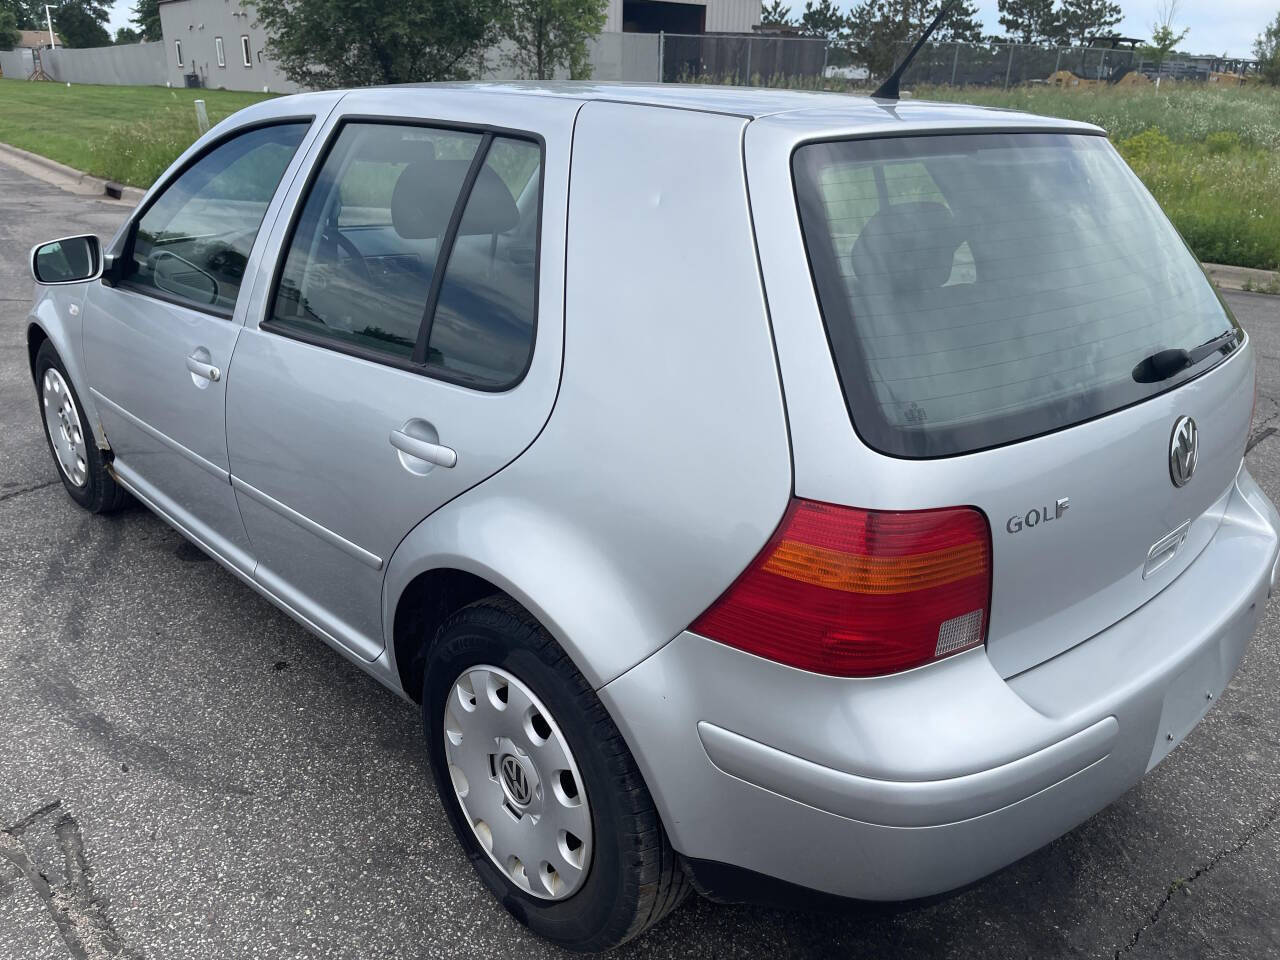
(889, 89)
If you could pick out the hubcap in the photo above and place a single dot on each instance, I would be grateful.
(517, 783)
(63, 422)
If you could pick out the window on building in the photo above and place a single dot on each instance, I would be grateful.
(221, 53)
(177, 49)
(244, 50)
(654, 16)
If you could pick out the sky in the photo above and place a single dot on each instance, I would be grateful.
(1217, 26)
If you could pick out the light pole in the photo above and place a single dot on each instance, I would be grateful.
(48, 18)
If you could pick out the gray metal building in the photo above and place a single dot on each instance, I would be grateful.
(220, 42)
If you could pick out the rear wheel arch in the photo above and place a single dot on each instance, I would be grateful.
(425, 604)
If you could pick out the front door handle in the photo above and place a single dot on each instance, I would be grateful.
(206, 371)
(435, 453)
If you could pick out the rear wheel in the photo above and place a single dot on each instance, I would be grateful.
(541, 790)
(71, 443)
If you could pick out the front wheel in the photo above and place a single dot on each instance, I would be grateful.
(80, 465)
(539, 785)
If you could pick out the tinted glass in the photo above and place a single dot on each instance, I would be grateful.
(483, 326)
(194, 241)
(983, 289)
(363, 252)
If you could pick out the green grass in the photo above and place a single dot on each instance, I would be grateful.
(1210, 156)
(129, 134)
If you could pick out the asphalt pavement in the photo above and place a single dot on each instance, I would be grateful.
(185, 773)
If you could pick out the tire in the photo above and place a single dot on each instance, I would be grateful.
(633, 878)
(75, 454)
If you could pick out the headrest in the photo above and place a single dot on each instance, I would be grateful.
(419, 208)
(426, 191)
(906, 247)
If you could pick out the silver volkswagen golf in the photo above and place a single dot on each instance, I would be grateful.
(761, 492)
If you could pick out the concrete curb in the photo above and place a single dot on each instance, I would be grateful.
(68, 178)
(1243, 278)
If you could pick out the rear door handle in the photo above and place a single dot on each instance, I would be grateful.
(201, 369)
(435, 453)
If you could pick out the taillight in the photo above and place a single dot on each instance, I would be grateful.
(860, 593)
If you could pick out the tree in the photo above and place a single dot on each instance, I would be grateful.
(547, 35)
(822, 19)
(882, 29)
(962, 23)
(353, 43)
(1163, 36)
(127, 35)
(8, 29)
(1267, 49)
(1030, 21)
(146, 17)
(775, 14)
(23, 13)
(82, 23)
(1082, 19)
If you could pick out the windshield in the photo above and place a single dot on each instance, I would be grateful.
(982, 289)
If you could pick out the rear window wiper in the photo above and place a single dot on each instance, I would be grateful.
(1166, 363)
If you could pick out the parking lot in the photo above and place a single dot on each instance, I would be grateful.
(185, 773)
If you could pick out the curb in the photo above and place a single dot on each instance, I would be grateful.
(1245, 279)
(68, 178)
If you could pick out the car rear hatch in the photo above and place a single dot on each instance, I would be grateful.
(1016, 326)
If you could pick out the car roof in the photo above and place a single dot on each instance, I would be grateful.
(821, 107)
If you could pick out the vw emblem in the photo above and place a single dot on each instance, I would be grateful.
(516, 781)
(1184, 449)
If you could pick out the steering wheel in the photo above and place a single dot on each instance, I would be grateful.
(353, 252)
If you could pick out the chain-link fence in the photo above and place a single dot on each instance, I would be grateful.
(761, 59)
(800, 61)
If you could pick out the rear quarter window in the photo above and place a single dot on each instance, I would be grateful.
(982, 289)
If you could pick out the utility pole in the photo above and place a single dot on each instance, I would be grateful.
(48, 18)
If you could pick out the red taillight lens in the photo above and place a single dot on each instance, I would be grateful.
(859, 593)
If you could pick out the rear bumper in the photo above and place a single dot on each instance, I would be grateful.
(907, 786)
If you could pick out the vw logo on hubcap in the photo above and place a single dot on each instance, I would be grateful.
(516, 781)
(1184, 449)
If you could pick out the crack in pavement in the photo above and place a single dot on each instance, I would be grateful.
(1261, 827)
(78, 913)
(17, 493)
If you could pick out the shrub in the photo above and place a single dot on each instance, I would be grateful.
(1146, 146)
(1222, 141)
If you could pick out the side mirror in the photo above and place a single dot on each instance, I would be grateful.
(69, 260)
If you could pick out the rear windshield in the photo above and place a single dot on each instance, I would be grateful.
(981, 289)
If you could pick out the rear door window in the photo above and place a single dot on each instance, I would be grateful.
(418, 246)
(982, 289)
(483, 324)
(363, 252)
